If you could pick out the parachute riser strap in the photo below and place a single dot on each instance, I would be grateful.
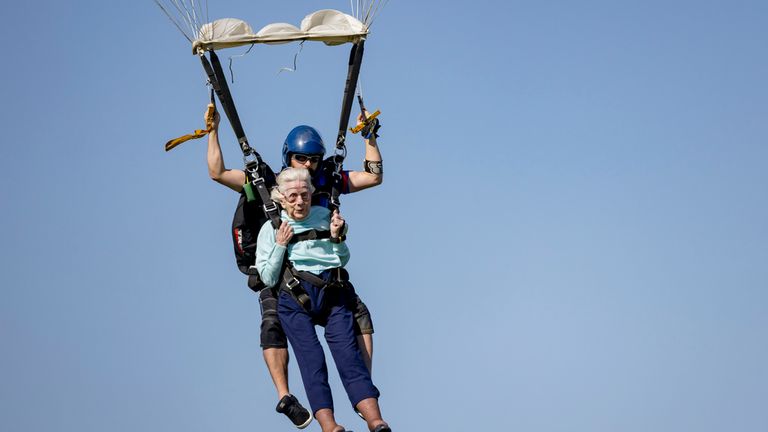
(252, 159)
(353, 72)
(218, 81)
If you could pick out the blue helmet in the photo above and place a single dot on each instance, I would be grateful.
(302, 139)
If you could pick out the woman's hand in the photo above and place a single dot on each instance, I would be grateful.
(337, 224)
(284, 234)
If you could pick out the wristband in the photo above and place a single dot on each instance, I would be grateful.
(373, 167)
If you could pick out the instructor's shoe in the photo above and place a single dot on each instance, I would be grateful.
(292, 409)
(382, 428)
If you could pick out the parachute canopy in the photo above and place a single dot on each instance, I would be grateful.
(329, 26)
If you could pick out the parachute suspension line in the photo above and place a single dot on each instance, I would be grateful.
(372, 17)
(173, 20)
(187, 15)
(366, 10)
(183, 11)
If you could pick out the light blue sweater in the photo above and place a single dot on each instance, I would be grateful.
(310, 255)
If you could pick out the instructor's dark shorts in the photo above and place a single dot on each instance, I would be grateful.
(272, 334)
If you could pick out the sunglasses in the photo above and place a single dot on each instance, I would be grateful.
(302, 158)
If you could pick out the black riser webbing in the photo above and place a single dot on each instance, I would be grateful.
(219, 83)
(353, 72)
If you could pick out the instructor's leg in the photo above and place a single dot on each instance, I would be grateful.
(277, 364)
(363, 328)
(275, 346)
(274, 342)
(365, 343)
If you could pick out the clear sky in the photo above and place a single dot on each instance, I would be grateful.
(572, 233)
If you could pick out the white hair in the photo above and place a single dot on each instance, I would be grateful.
(287, 176)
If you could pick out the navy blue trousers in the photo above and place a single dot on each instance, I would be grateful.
(330, 310)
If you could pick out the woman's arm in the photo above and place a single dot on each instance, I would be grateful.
(270, 249)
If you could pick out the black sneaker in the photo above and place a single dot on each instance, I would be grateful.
(292, 409)
(382, 428)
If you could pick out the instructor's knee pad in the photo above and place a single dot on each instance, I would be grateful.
(272, 334)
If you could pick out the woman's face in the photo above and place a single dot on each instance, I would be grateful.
(296, 199)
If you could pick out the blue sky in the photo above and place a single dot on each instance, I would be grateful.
(571, 235)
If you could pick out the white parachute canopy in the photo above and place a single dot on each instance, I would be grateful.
(329, 26)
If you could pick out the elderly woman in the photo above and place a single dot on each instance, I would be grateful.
(314, 290)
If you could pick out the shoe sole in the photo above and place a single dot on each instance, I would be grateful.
(306, 423)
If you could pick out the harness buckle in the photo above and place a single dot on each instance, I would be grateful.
(293, 283)
(257, 180)
(270, 207)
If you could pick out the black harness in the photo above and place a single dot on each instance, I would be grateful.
(255, 168)
(291, 278)
(291, 283)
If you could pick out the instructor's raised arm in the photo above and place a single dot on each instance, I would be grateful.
(372, 173)
(233, 179)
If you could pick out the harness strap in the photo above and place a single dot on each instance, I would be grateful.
(310, 235)
(292, 283)
(293, 286)
(254, 180)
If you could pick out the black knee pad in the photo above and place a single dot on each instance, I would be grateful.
(272, 334)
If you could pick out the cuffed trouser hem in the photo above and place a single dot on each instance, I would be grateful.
(360, 392)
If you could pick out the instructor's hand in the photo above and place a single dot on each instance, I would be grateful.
(213, 120)
(284, 234)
